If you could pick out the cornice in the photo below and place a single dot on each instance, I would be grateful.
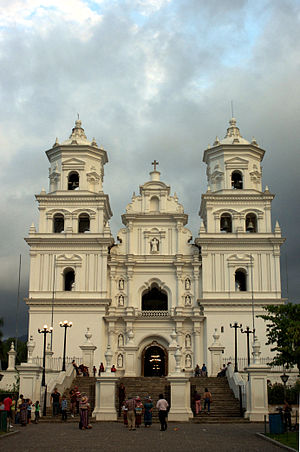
(150, 216)
(46, 240)
(68, 302)
(242, 303)
(241, 238)
(237, 196)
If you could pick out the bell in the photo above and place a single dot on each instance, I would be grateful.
(225, 225)
(250, 227)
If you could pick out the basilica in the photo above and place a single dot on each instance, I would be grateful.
(153, 289)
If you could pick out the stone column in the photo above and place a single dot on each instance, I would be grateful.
(30, 380)
(11, 358)
(257, 394)
(105, 398)
(197, 344)
(180, 397)
(88, 350)
(216, 349)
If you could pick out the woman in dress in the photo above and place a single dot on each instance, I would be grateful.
(138, 412)
(148, 407)
(23, 412)
(84, 412)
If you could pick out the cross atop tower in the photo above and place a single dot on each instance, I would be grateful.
(154, 164)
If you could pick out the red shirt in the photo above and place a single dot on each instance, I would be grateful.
(7, 403)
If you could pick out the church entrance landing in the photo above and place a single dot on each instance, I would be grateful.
(154, 361)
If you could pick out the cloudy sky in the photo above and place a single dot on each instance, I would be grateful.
(150, 79)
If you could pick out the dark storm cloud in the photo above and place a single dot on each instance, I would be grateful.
(150, 80)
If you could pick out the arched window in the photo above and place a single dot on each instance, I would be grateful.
(73, 180)
(237, 180)
(240, 280)
(225, 223)
(155, 299)
(69, 279)
(83, 223)
(58, 223)
(251, 222)
(154, 204)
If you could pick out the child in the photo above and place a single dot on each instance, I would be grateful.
(64, 407)
(29, 403)
(37, 412)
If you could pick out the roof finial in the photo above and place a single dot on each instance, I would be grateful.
(232, 109)
(154, 164)
(77, 115)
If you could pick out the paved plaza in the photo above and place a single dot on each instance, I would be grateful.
(109, 436)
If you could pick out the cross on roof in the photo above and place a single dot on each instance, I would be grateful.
(154, 164)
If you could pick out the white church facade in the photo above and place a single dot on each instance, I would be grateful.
(153, 289)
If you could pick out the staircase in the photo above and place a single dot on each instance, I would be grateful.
(225, 408)
(144, 387)
(85, 384)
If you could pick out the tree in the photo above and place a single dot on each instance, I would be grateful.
(283, 331)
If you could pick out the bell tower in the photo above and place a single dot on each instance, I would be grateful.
(240, 251)
(68, 252)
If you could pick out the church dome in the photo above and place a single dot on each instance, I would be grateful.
(78, 137)
(233, 135)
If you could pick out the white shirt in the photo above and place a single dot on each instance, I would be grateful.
(162, 405)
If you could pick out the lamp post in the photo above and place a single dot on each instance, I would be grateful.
(235, 326)
(284, 379)
(45, 330)
(65, 324)
(248, 332)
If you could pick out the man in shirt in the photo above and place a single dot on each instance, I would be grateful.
(130, 405)
(55, 396)
(7, 405)
(162, 406)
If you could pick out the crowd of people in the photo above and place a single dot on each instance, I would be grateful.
(20, 411)
(197, 402)
(134, 410)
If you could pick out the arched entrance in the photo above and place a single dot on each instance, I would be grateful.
(154, 360)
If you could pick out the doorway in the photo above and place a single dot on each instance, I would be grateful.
(154, 361)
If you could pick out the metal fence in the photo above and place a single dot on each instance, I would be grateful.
(243, 362)
(56, 363)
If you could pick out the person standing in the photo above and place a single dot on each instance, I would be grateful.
(73, 399)
(162, 406)
(148, 407)
(7, 407)
(23, 413)
(122, 396)
(130, 405)
(197, 398)
(94, 371)
(101, 369)
(64, 408)
(78, 398)
(37, 412)
(204, 370)
(55, 396)
(138, 412)
(13, 411)
(84, 412)
(18, 411)
(207, 400)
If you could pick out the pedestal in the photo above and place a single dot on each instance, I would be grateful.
(130, 360)
(180, 398)
(105, 398)
(257, 394)
(30, 380)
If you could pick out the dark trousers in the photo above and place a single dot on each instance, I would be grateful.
(63, 415)
(163, 419)
(55, 408)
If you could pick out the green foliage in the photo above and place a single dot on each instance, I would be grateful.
(283, 332)
(276, 393)
(21, 352)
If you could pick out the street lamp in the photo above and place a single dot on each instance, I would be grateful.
(235, 326)
(45, 330)
(248, 332)
(65, 324)
(284, 379)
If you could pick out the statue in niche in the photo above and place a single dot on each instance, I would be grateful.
(154, 245)
(188, 300)
(237, 286)
(73, 286)
(121, 300)
(121, 284)
(188, 361)
(188, 340)
(187, 284)
(120, 340)
(120, 360)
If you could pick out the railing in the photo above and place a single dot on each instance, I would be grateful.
(56, 363)
(153, 313)
(243, 362)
